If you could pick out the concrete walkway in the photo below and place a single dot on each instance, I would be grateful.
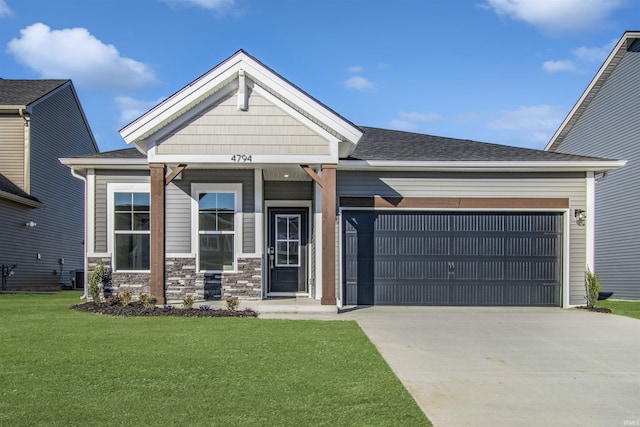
(512, 366)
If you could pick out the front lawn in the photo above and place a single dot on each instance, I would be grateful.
(63, 367)
(623, 308)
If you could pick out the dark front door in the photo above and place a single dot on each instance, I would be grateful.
(287, 251)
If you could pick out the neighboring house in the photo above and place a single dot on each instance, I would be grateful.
(605, 122)
(241, 184)
(41, 204)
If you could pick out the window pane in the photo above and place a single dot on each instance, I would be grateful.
(132, 251)
(122, 221)
(281, 253)
(293, 253)
(293, 228)
(207, 221)
(123, 201)
(225, 221)
(281, 227)
(216, 252)
(207, 201)
(226, 202)
(141, 221)
(141, 202)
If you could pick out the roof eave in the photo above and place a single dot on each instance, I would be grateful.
(101, 163)
(22, 200)
(483, 166)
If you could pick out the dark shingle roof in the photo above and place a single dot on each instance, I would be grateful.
(9, 187)
(24, 92)
(393, 145)
(124, 153)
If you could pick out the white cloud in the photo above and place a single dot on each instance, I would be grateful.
(355, 69)
(581, 56)
(76, 54)
(412, 120)
(131, 108)
(205, 4)
(538, 122)
(562, 65)
(4, 9)
(556, 15)
(359, 83)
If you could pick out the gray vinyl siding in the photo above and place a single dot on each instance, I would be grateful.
(610, 128)
(104, 177)
(57, 130)
(288, 190)
(411, 184)
(263, 129)
(12, 148)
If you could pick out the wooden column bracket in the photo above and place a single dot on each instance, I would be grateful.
(175, 172)
(312, 174)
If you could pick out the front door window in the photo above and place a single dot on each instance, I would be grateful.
(287, 240)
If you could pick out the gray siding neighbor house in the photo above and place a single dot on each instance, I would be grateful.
(41, 204)
(243, 185)
(605, 122)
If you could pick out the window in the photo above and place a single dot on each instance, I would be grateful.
(129, 232)
(216, 222)
(287, 240)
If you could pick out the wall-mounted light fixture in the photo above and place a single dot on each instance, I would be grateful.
(30, 224)
(580, 215)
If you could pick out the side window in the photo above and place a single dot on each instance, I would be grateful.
(131, 237)
(216, 231)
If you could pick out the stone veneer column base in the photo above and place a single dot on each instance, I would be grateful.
(246, 283)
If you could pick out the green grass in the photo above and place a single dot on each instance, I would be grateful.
(623, 308)
(62, 367)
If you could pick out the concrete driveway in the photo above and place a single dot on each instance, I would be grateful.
(512, 366)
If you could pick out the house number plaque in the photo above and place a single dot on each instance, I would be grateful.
(241, 158)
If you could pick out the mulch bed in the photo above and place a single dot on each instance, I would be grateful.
(596, 309)
(138, 309)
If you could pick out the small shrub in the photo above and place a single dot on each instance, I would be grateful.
(125, 298)
(150, 302)
(114, 300)
(143, 297)
(592, 287)
(232, 303)
(96, 281)
(187, 301)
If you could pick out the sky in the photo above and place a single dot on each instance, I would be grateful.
(500, 71)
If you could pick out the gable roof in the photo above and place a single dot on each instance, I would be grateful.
(619, 51)
(25, 92)
(219, 77)
(10, 191)
(394, 145)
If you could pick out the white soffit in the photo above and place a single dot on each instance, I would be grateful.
(217, 78)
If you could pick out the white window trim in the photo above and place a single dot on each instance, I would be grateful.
(113, 188)
(237, 219)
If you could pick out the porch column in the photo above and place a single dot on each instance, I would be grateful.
(328, 235)
(158, 171)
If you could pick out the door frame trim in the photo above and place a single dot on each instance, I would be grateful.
(302, 204)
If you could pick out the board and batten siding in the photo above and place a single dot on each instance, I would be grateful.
(57, 129)
(12, 148)
(610, 128)
(411, 184)
(263, 129)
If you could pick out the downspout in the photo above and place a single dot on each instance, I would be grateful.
(27, 150)
(84, 242)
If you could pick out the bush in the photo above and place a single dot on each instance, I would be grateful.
(592, 287)
(148, 301)
(96, 281)
(232, 303)
(125, 299)
(114, 300)
(187, 301)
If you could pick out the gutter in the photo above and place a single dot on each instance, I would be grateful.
(84, 269)
(481, 166)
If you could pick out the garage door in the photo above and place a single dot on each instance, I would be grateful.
(419, 258)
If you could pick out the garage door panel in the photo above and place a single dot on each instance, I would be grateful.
(452, 258)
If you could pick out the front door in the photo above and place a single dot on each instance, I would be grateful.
(287, 251)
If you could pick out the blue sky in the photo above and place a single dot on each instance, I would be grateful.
(502, 71)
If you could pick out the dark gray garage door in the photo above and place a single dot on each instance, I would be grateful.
(419, 258)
